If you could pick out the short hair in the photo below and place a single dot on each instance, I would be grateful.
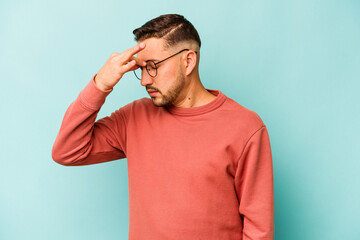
(174, 28)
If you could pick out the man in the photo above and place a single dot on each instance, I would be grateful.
(199, 164)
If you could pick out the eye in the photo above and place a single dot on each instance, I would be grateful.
(150, 65)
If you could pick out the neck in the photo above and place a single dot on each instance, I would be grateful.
(194, 94)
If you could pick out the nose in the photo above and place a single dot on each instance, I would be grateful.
(146, 79)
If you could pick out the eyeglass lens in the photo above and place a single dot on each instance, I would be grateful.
(150, 68)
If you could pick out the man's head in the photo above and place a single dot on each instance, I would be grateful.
(165, 36)
(173, 28)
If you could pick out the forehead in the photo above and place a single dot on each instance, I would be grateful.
(154, 49)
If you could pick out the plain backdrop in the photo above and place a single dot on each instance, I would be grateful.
(295, 63)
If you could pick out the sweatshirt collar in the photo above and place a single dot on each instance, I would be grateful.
(193, 111)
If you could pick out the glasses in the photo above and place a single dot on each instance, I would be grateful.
(151, 67)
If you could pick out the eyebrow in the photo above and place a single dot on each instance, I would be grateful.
(155, 60)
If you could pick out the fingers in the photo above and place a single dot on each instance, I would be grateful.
(127, 67)
(129, 53)
(134, 67)
(138, 61)
(130, 66)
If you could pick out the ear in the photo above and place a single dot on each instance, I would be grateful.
(190, 62)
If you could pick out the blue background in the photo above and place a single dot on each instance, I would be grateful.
(295, 63)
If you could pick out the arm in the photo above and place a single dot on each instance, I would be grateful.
(81, 140)
(254, 187)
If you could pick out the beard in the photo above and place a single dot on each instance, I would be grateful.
(172, 94)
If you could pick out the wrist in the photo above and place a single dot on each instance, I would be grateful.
(101, 86)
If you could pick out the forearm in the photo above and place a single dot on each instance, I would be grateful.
(76, 143)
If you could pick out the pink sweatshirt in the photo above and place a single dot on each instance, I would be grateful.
(194, 173)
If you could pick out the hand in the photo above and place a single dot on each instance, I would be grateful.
(117, 65)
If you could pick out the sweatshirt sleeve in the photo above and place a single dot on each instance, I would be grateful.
(254, 187)
(81, 140)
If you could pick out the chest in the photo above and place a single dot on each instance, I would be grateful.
(197, 147)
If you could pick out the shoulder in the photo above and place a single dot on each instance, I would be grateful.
(241, 116)
(244, 113)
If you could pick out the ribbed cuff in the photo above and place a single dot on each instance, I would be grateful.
(92, 97)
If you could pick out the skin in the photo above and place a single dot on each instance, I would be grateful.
(177, 82)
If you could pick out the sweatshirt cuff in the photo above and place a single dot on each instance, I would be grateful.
(92, 97)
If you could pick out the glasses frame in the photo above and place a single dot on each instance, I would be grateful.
(156, 63)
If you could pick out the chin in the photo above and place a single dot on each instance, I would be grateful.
(158, 103)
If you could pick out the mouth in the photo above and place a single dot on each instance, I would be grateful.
(152, 93)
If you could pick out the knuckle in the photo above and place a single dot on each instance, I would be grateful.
(113, 59)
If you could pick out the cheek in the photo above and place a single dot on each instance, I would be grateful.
(168, 71)
(168, 75)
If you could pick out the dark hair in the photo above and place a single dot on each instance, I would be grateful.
(174, 28)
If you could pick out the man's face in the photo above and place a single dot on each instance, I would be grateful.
(169, 81)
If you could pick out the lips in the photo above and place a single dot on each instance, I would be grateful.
(152, 93)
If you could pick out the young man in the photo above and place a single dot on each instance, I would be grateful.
(199, 164)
